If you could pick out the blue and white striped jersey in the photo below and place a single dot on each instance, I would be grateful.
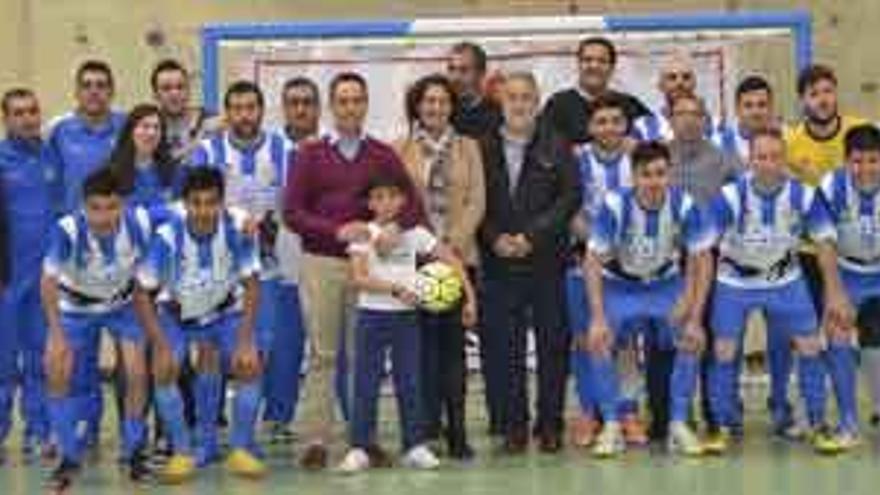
(856, 216)
(255, 178)
(599, 176)
(644, 244)
(758, 235)
(96, 273)
(731, 140)
(202, 275)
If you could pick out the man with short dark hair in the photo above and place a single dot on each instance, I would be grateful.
(28, 179)
(476, 114)
(815, 144)
(80, 141)
(301, 106)
(323, 204)
(185, 125)
(253, 163)
(754, 112)
(567, 112)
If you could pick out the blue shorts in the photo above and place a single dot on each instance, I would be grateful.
(860, 286)
(121, 323)
(83, 332)
(222, 333)
(633, 308)
(788, 309)
(577, 301)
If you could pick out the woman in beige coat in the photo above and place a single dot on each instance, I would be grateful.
(448, 172)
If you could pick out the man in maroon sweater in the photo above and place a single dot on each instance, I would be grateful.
(324, 203)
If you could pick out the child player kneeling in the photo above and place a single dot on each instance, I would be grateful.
(635, 282)
(387, 318)
(202, 270)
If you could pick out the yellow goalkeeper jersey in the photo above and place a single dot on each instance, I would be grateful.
(810, 158)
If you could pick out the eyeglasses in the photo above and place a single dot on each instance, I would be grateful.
(94, 84)
(300, 102)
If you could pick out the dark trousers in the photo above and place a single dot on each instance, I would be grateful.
(375, 334)
(514, 303)
(443, 374)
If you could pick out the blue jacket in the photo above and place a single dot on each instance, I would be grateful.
(31, 202)
(77, 149)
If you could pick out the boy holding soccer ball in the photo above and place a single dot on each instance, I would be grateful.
(387, 318)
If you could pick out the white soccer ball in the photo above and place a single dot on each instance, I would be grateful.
(438, 286)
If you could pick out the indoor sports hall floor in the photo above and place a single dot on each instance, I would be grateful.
(762, 466)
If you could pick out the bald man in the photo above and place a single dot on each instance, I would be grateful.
(678, 77)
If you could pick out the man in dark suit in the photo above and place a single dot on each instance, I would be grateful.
(532, 191)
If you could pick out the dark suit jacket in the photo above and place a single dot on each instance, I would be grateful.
(546, 196)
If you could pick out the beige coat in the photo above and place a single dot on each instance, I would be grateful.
(466, 190)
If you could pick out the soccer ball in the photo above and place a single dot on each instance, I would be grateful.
(438, 286)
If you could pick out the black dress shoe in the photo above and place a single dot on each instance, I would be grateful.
(550, 443)
(517, 441)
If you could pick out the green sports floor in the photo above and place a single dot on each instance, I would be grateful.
(760, 466)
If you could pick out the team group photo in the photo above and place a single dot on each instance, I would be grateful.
(490, 254)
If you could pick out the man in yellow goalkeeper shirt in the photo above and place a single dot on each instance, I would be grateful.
(815, 144)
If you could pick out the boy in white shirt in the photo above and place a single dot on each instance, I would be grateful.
(387, 319)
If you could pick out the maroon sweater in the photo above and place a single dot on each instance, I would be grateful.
(325, 190)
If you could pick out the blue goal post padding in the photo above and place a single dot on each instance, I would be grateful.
(799, 22)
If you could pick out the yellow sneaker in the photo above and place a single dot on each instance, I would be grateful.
(242, 463)
(717, 443)
(178, 469)
(824, 442)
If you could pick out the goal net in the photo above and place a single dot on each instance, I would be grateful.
(392, 54)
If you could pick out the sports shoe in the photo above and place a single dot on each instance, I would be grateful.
(178, 469)
(584, 430)
(823, 442)
(682, 440)
(420, 457)
(718, 442)
(610, 442)
(139, 467)
(279, 433)
(633, 430)
(63, 475)
(355, 461)
(241, 462)
(847, 439)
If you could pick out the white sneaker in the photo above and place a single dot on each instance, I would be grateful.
(682, 440)
(420, 457)
(610, 442)
(356, 460)
(848, 440)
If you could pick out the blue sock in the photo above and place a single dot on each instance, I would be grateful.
(134, 434)
(64, 417)
(580, 362)
(779, 363)
(841, 359)
(811, 378)
(682, 386)
(208, 390)
(606, 389)
(722, 379)
(244, 415)
(5, 411)
(170, 406)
